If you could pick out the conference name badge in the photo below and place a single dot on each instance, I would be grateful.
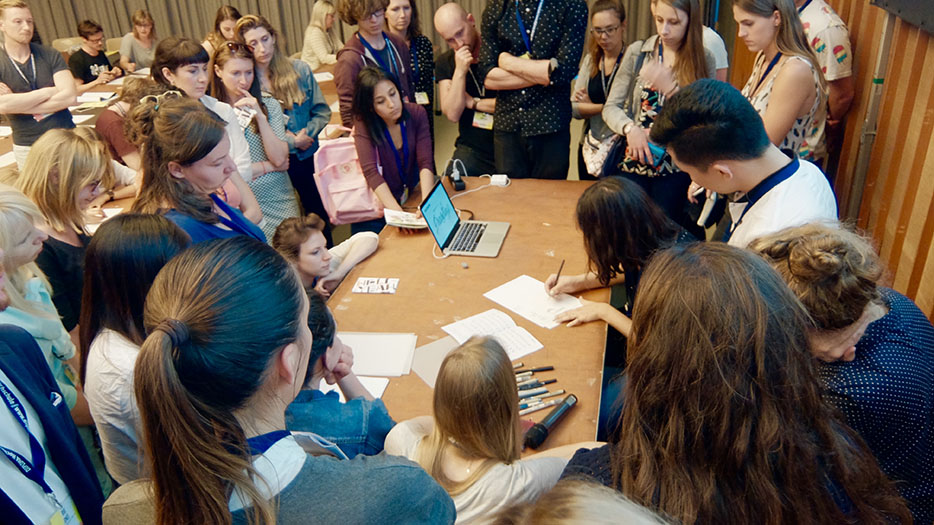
(482, 120)
(526, 56)
(421, 98)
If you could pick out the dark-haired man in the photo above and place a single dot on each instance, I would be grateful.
(89, 65)
(714, 134)
(36, 87)
(464, 99)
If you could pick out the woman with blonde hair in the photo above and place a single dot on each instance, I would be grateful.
(138, 48)
(234, 81)
(874, 349)
(652, 70)
(31, 309)
(787, 86)
(723, 420)
(321, 44)
(225, 23)
(213, 380)
(472, 444)
(293, 84)
(63, 174)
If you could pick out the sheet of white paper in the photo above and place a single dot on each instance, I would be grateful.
(142, 72)
(116, 82)
(336, 106)
(324, 76)
(80, 119)
(518, 342)
(374, 385)
(111, 212)
(527, 297)
(94, 96)
(428, 359)
(5, 131)
(6, 159)
(487, 323)
(380, 354)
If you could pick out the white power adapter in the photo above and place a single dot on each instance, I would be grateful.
(499, 180)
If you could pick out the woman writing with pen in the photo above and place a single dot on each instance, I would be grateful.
(472, 444)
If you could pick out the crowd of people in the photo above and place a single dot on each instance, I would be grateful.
(168, 368)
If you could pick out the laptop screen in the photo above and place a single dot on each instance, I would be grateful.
(440, 214)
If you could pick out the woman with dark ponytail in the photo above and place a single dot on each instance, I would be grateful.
(186, 159)
(212, 382)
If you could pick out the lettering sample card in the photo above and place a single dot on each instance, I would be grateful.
(527, 297)
(375, 285)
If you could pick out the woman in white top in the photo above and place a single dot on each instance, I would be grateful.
(787, 86)
(472, 445)
(301, 241)
(138, 47)
(122, 260)
(321, 44)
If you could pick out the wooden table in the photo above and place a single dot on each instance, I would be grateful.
(433, 293)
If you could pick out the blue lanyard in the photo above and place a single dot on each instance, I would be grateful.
(604, 79)
(233, 222)
(803, 7)
(35, 472)
(526, 36)
(768, 70)
(261, 443)
(661, 52)
(392, 67)
(753, 195)
(403, 162)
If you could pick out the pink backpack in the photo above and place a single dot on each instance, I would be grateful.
(344, 192)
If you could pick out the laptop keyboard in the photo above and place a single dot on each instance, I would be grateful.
(468, 236)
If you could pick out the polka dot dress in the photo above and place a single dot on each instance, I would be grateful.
(887, 395)
(273, 190)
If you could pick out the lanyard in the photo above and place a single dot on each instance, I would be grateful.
(768, 70)
(233, 223)
(401, 163)
(392, 67)
(261, 443)
(754, 195)
(35, 472)
(480, 88)
(526, 36)
(803, 7)
(608, 80)
(34, 83)
(661, 52)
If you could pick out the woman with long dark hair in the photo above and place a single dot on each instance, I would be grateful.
(723, 420)
(122, 260)
(225, 24)
(391, 134)
(213, 379)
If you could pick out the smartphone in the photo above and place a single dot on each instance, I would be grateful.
(658, 153)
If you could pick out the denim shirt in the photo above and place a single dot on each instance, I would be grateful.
(311, 115)
(358, 426)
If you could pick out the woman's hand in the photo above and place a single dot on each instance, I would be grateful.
(328, 283)
(588, 313)
(343, 367)
(581, 95)
(303, 141)
(248, 101)
(695, 190)
(637, 145)
(565, 284)
(659, 77)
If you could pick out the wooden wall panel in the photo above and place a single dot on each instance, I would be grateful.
(897, 205)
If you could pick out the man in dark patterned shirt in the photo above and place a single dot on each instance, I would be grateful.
(530, 53)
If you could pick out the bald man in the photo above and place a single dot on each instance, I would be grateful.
(464, 98)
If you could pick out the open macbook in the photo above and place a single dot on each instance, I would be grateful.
(457, 237)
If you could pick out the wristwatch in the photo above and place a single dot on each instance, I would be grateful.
(476, 103)
(628, 126)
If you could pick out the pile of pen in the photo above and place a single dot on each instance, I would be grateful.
(533, 392)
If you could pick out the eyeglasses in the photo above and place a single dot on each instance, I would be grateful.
(96, 40)
(159, 99)
(237, 46)
(605, 31)
(376, 14)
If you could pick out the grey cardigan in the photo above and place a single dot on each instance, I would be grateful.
(623, 103)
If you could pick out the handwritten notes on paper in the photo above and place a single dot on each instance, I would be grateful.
(527, 297)
(517, 341)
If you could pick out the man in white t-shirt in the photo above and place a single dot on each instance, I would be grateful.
(714, 134)
(829, 38)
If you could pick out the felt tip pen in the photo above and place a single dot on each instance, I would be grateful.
(540, 406)
(546, 394)
(523, 376)
(533, 370)
(536, 384)
(530, 402)
(534, 392)
(517, 365)
(526, 381)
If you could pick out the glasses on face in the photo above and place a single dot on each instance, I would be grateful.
(376, 14)
(96, 40)
(605, 31)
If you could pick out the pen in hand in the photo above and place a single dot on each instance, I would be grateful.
(557, 276)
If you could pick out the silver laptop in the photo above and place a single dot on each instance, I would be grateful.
(457, 237)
